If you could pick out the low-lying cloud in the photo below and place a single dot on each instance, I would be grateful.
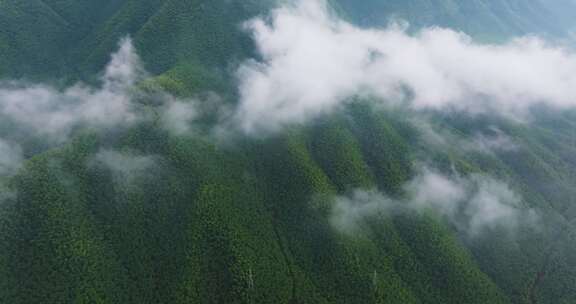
(10, 158)
(312, 63)
(50, 112)
(490, 140)
(126, 167)
(177, 116)
(472, 204)
(53, 113)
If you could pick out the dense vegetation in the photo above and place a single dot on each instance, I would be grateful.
(249, 221)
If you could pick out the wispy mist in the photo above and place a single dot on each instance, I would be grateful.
(47, 111)
(490, 140)
(472, 204)
(178, 116)
(10, 158)
(55, 113)
(313, 62)
(126, 167)
(42, 113)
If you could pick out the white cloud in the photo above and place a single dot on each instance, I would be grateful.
(125, 166)
(10, 158)
(473, 204)
(349, 212)
(313, 62)
(177, 116)
(497, 141)
(46, 111)
(494, 204)
(433, 190)
(125, 68)
(52, 113)
(488, 141)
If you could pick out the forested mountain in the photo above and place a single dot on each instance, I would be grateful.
(261, 151)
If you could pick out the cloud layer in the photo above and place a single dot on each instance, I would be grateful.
(313, 62)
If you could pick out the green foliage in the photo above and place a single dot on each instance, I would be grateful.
(60, 254)
(340, 156)
(385, 150)
(250, 222)
(456, 279)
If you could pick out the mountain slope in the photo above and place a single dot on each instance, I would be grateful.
(143, 214)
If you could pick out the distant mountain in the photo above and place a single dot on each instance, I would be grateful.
(487, 19)
(49, 37)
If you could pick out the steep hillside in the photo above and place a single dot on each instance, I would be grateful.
(73, 39)
(159, 198)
